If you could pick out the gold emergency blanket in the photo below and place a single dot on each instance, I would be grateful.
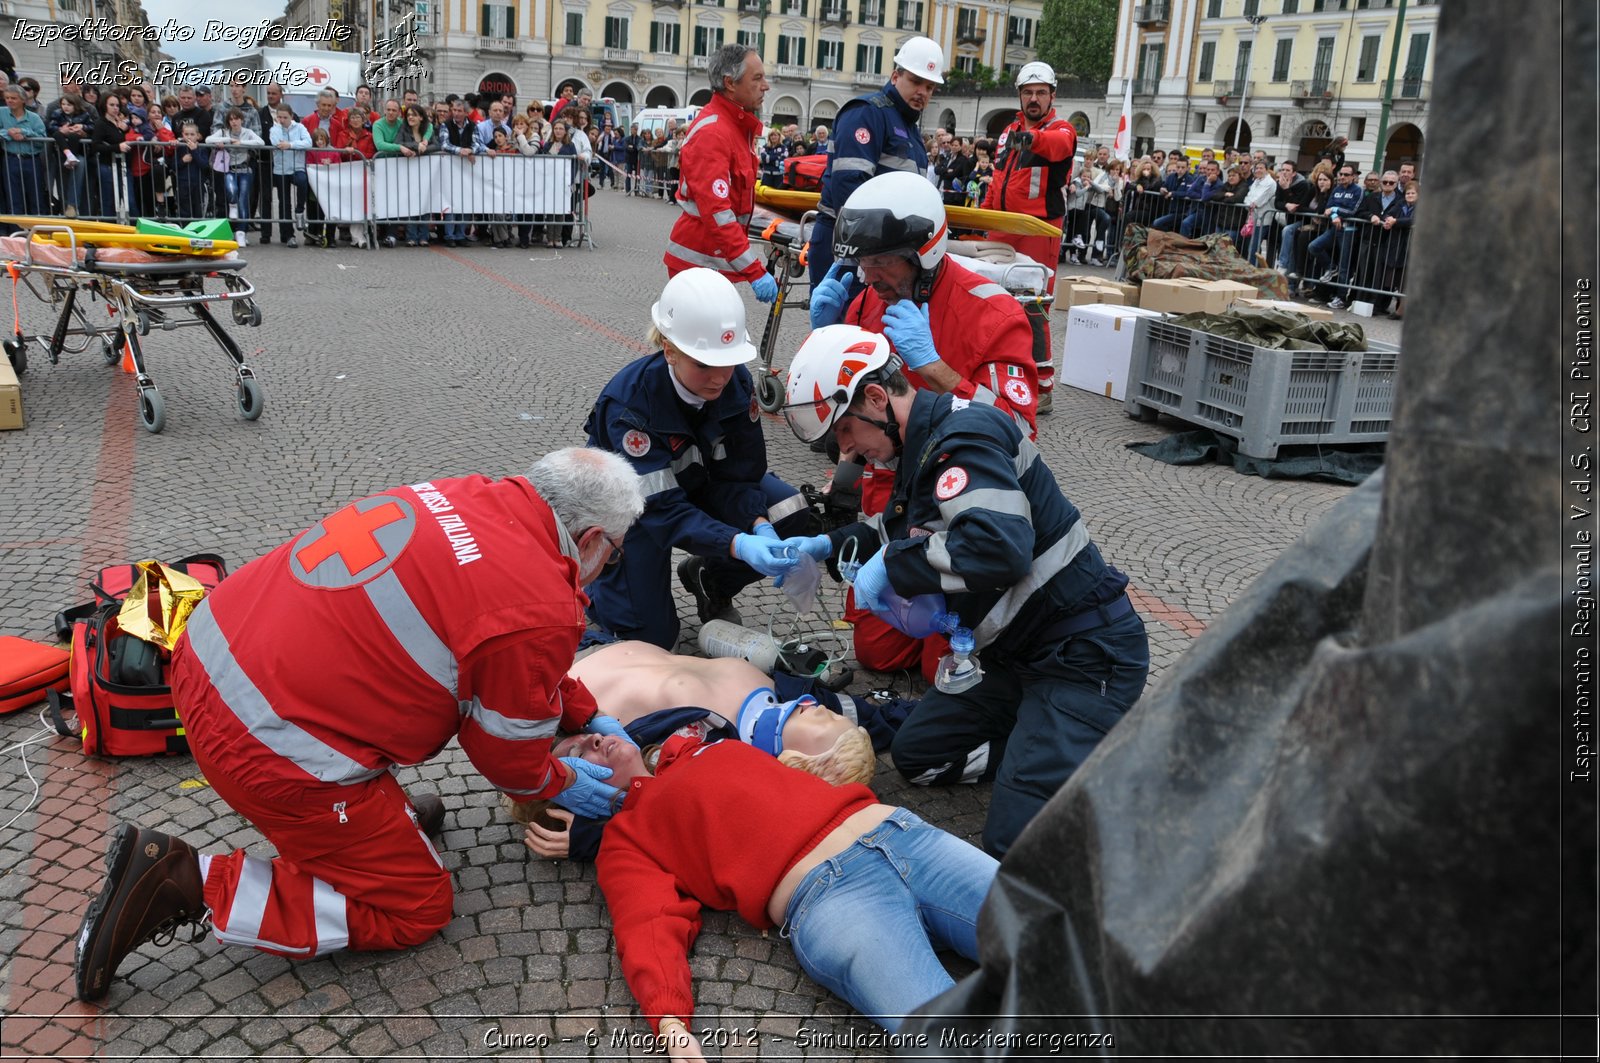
(159, 604)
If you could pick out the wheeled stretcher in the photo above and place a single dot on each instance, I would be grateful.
(142, 291)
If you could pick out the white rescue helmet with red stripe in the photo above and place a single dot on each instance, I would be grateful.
(826, 373)
(895, 212)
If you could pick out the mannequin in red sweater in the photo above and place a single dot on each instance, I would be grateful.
(865, 892)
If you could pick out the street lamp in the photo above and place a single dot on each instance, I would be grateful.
(1244, 90)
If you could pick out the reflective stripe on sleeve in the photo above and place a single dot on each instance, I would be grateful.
(988, 289)
(854, 165)
(938, 556)
(746, 260)
(724, 217)
(688, 206)
(700, 258)
(509, 728)
(1006, 500)
(787, 507)
(240, 695)
(895, 162)
(1027, 454)
(654, 483)
(1045, 566)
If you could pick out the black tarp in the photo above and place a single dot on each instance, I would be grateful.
(1334, 826)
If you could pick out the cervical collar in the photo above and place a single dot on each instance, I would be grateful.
(761, 719)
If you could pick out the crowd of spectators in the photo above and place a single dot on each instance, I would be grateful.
(107, 152)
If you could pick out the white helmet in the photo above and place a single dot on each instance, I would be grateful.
(823, 377)
(922, 57)
(894, 212)
(1036, 73)
(701, 314)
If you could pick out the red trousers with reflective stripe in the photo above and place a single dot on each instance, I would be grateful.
(1045, 250)
(371, 881)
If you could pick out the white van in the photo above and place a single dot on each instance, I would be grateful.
(314, 69)
(654, 119)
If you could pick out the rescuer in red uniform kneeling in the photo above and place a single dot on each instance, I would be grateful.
(441, 610)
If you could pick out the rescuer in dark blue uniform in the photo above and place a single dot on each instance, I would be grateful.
(875, 134)
(978, 517)
(686, 418)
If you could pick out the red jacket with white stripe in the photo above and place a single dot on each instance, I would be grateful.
(981, 332)
(1032, 181)
(408, 618)
(717, 191)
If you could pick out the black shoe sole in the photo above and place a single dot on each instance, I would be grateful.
(117, 858)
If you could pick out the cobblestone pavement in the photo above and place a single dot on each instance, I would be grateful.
(393, 367)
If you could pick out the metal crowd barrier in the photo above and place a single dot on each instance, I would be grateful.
(501, 197)
(1363, 261)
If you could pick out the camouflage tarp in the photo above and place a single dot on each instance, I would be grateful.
(1279, 330)
(1151, 254)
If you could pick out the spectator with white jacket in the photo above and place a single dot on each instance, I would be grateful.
(1259, 200)
(290, 141)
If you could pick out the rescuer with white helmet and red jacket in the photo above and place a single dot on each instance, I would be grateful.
(977, 516)
(449, 609)
(687, 420)
(956, 332)
(876, 134)
(1032, 166)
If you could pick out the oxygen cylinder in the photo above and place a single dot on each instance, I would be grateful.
(719, 638)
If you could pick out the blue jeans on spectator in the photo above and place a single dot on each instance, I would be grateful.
(1286, 248)
(454, 230)
(284, 182)
(1319, 256)
(73, 179)
(241, 185)
(105, 189)
(865, 924)
(417, 231)
(24, 188)
(1167, 222)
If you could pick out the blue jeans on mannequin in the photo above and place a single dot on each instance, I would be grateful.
(866, 924)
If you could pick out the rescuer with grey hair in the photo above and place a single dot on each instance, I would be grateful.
(717, 175)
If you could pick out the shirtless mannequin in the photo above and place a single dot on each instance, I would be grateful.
(632, 679)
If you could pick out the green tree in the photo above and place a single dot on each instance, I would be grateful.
(1079, 37)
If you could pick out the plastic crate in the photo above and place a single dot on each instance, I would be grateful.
(1264, 398)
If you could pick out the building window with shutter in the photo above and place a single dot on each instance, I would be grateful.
(1208, 59)
(616, 32)
(499, 20)
(869, 58)
(1281, 59)
(664, 37)
(575, 29)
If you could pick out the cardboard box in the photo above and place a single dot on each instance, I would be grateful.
(1315, 313)
(1185, 295)
(1084, 293)
(1098, 349)
(10, 396)
(1130, 292)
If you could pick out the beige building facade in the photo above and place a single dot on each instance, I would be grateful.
(1282, 76)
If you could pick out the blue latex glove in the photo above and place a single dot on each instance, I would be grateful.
(767, 556)
(589, 795)
(766, 530)
(818, 546)
(601, 724)
(906, 325)
(829, 298)
(872, 579)
(765, 287)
